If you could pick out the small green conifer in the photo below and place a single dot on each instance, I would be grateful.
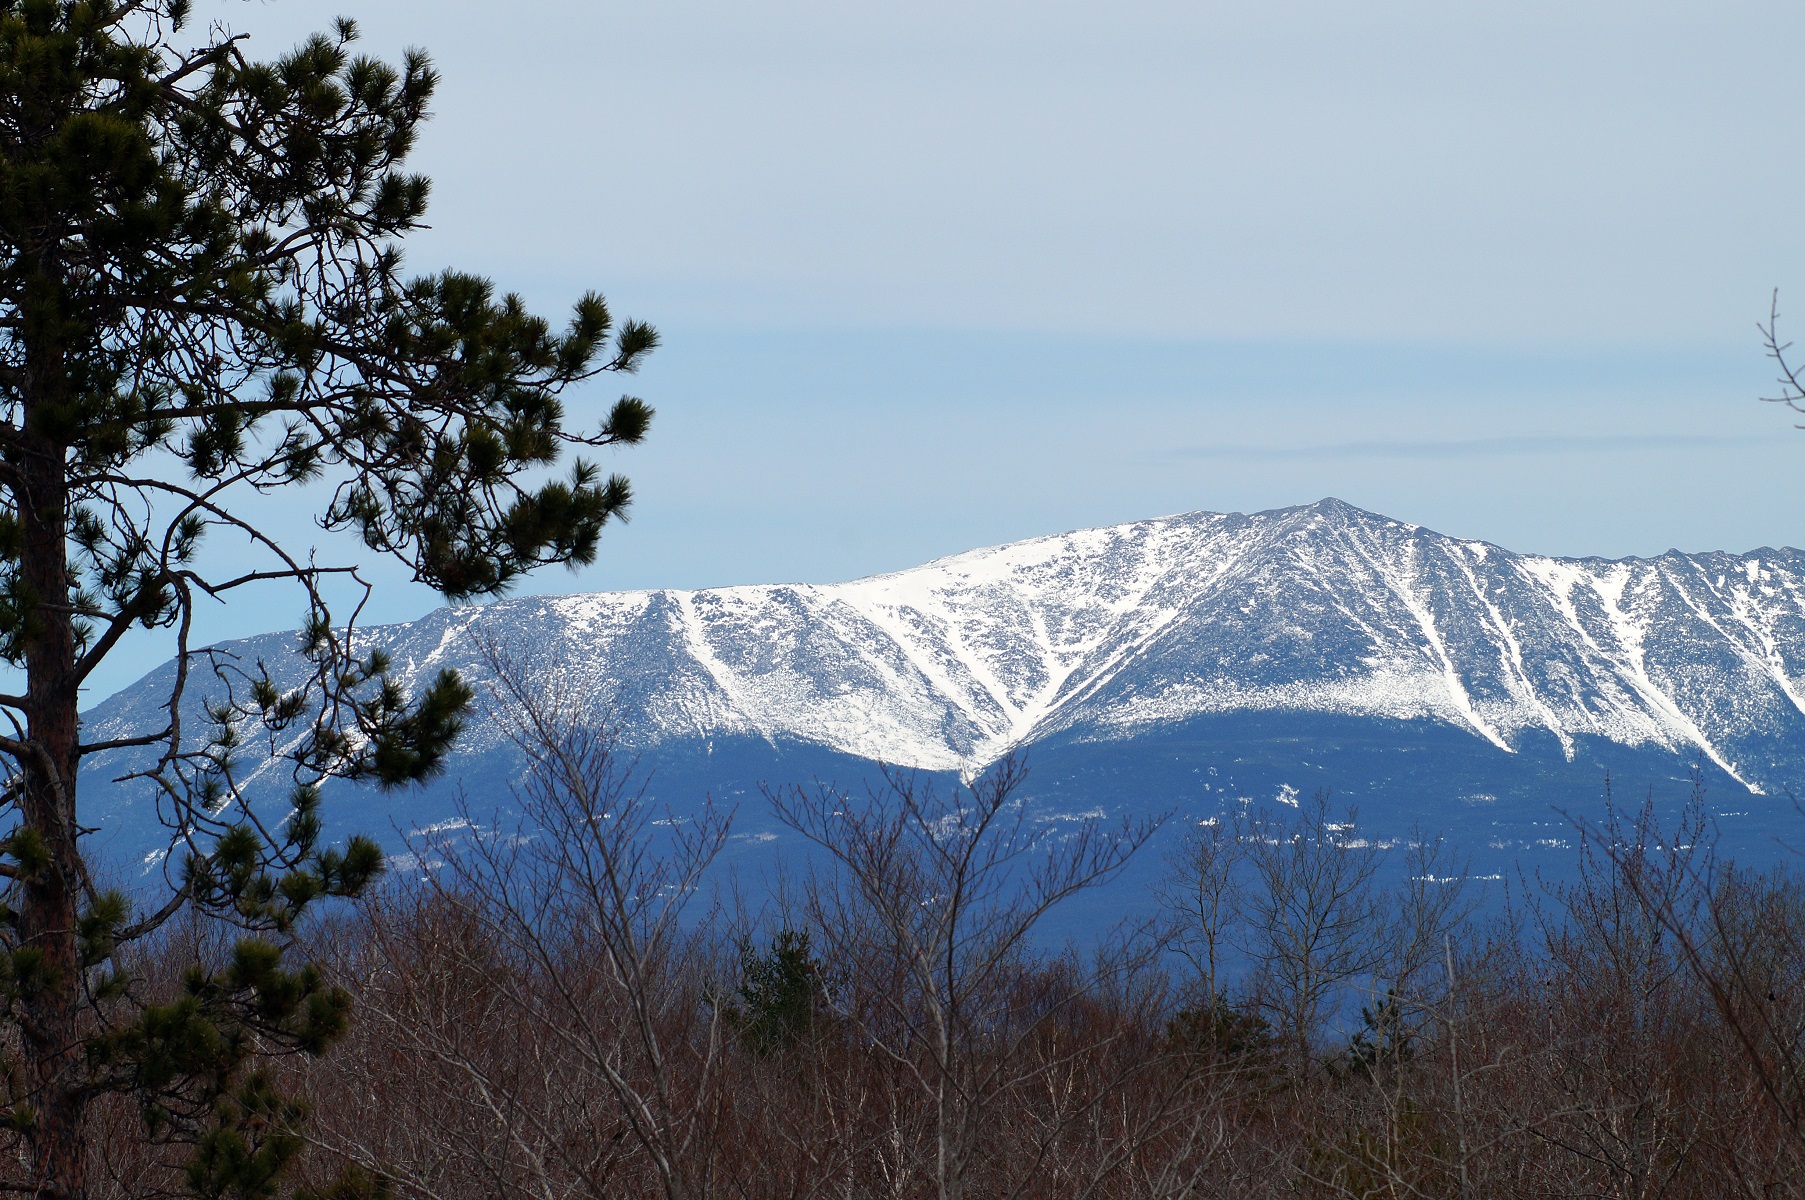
(781, 994)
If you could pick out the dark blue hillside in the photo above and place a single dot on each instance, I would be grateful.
(1505, 810)
(729, 771)
(1507, 813)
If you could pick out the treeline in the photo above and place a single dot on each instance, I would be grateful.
(570, 1013)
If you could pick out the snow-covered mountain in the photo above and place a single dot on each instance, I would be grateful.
(1202, 634)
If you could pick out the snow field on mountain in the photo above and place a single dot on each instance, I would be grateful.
(1105, 633)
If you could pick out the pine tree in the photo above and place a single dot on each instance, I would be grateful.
(202, 299)
(781, 993)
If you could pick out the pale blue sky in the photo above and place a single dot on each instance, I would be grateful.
(934, 275)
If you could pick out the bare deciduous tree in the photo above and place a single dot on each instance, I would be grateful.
(936, 895)
(1313, 915)
(589, 900)
(1202, 892)
(1422, 912)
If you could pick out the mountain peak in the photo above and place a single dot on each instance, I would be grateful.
(1339, 512)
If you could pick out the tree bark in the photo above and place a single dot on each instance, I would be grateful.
(50, 896)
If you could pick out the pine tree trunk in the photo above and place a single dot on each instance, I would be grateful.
(47, 913)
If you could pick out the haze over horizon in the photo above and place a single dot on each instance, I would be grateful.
(939, 276)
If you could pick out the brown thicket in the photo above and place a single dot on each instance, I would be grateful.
(561, 1011)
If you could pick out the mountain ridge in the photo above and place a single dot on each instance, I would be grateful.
(1118, 634)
